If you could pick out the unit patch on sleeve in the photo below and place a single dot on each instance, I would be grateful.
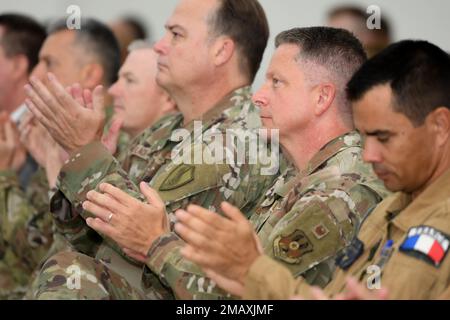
(292, 247)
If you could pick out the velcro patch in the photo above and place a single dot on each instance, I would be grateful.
(292, 247)
(426, 242)
(350, 254)
(180, 176)
(320, 231)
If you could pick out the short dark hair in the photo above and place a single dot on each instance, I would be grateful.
(337, 50)
(136, 25)
(97, 39)
(246, 23)
(22, 35)
(418, 73)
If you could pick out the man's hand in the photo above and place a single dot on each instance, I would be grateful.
(224, 247)
(232, 286)
(355, 290)
(44, 149)
(316, 293)
(74, 119)
(35, 138)
(13, 154)
(110, 138)
(7, 144)
(134, 225)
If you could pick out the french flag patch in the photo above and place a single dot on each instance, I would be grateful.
(426, 242)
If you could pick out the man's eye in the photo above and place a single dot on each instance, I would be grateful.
(383, 138)
(175, 34)
(276, 82)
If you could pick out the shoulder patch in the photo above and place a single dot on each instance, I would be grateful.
(292, 247)
(426, 243)
(350, 254)
(180, 176)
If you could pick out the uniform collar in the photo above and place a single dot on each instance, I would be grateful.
(162, 136)
(407, 213)
(335, 146)
(234, 99)
(288, 173)
(222, 111)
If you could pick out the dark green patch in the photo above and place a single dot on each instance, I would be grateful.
(180, 176)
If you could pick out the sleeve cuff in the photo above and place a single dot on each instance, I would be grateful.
(161, 251)
(267, 279)
(83, 171)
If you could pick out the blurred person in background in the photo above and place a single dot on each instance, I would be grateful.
(89, 57)
(138, 100)
(354, 19)
(21, 38)
(128, 29)
(20, 41)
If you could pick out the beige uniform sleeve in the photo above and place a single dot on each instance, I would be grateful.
(269, 280)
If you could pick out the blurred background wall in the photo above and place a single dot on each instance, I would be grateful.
(419, 19)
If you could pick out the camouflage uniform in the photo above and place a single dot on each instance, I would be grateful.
(72, 275)
(26, 226)
(150, 159)
(307, 218)
(305, 222)
(402, 247)
(26, 234)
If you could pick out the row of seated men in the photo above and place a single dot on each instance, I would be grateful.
(336, 166)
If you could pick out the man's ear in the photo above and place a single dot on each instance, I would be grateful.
(21, 64)
(223, 50)
(324, 96)
(439, 120)
(91, 75)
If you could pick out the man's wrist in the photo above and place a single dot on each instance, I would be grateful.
(248, 265)
(74, 149)
(6, 164)
(153, 242)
